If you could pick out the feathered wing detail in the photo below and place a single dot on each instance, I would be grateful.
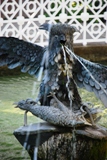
(51, 70)
(15, 52)
(92, 76)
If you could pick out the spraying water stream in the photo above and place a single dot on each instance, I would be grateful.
(68, 78)
(73, 140)
(25, 142)
(69, 51)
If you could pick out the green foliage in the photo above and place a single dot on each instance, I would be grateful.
(13, 89)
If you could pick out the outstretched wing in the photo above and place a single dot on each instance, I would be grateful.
(15, 52)
(92, 76)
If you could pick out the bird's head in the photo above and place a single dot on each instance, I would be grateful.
(61, 33)
(23, 104)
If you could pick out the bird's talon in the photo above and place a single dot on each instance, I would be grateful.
(86, 108)
(82, 110)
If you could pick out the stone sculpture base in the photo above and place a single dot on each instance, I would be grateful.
(61, 143)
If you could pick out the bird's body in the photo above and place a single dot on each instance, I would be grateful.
(62, 69)
(58, 76)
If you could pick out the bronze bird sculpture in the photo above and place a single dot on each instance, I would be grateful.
(62, 72)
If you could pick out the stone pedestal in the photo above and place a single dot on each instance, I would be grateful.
(61, 143)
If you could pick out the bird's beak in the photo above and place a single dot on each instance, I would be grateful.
(16, 104)
(45, 26)
(62, 39)
(41, 27)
